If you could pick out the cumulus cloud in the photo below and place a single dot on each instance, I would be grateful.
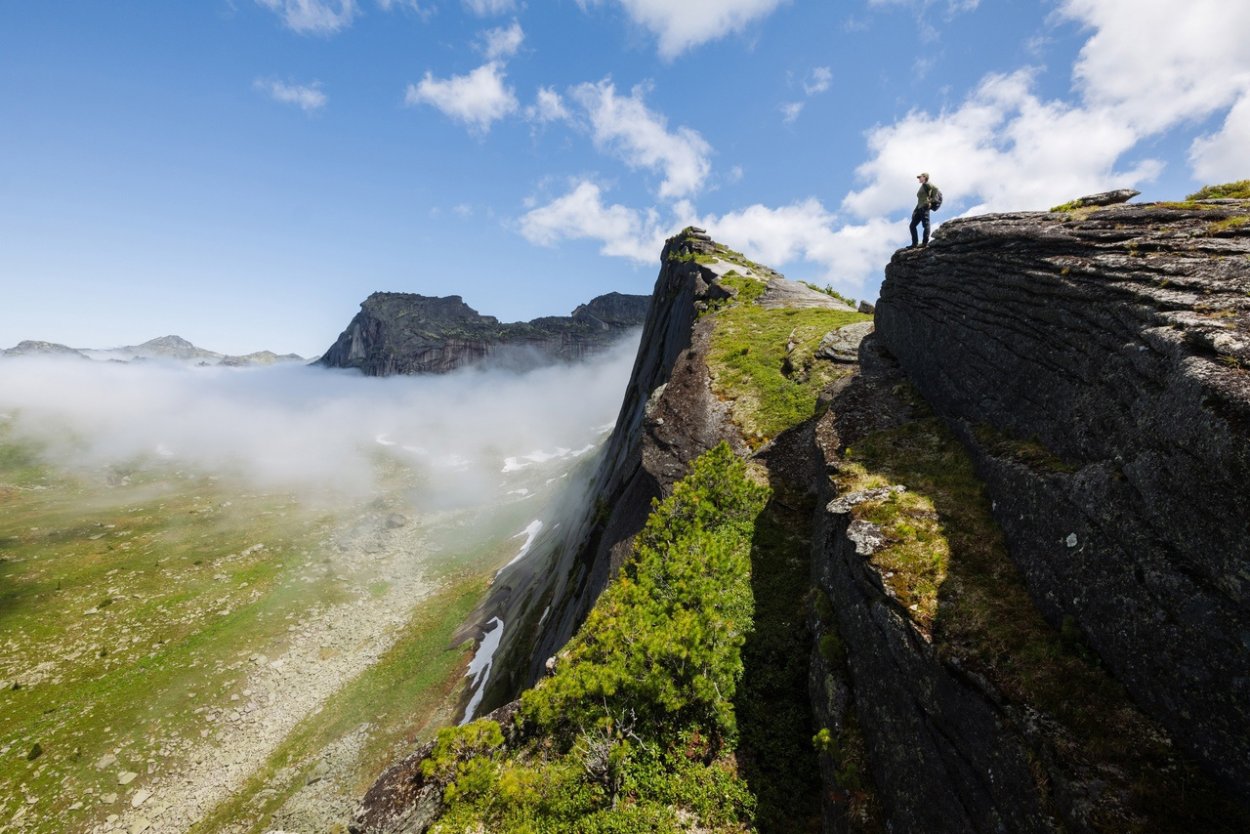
(683, 25)
(488, 8)
(582, 215)
(548, 106)
(844, 255)
(1144, 69)
(1153, 65)
(790, 111)
(477, 99)
(307, 97)
(1221, 157)
(314, 17)
(1002, 149)
(502, 42)
(625, 126)
(318, 431)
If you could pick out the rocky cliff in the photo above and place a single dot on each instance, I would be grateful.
(1096, 362)
(999, 581)
(405, 333)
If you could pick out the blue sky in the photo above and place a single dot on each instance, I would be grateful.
(245, 172)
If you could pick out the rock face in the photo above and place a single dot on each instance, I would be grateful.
(405, 333)
(1113, 345)
(669, 416)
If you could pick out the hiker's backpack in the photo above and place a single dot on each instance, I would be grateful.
(935, 198)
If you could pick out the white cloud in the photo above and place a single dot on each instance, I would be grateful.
(818, 81)
(1221, 157)
(478, 99)
(688, 23)
(1003, 149)
(502, 42)
(847, 255)
(307, 97)
(582, 215)
(487, 8)
(790, 111)
(641, 138)
(316, 17)
(803, 231)
(548, 106)
(1144, 69)
(1154, 64)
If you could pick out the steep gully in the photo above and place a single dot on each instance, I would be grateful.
(1091, 362)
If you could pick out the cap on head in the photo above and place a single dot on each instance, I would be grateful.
(924, 176)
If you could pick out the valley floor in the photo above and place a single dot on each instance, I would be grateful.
(183, 655)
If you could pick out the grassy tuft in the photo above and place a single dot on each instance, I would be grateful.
(1235, 190)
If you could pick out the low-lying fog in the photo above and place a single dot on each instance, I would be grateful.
(468, 437)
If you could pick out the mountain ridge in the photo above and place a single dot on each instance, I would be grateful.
(408, 333)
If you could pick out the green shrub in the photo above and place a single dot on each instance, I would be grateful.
(635, 724)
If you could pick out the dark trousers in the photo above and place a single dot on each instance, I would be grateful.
(919, 216)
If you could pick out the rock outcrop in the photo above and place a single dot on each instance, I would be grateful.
(1097, 364)
(405, 333)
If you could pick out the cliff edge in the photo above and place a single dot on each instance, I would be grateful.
(1097, 364)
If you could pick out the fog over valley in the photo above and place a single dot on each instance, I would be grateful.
(467, 437)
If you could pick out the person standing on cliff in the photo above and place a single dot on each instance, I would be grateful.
(928, 198)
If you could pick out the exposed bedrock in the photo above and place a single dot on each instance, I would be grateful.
(405, 333)
(1096, 364)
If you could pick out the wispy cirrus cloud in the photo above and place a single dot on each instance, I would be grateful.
(818, 81)
(790, 111)
(314, 17)
(307, 97)
(502, 42)
(488, 8)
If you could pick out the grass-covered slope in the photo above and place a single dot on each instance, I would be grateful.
(636, 728)
(762, 359)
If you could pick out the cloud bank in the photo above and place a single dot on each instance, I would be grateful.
(470, 437)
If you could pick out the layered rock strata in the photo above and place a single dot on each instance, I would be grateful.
(1097, 364)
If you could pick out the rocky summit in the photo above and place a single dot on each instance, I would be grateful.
(1097, 363)
(406, 333)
